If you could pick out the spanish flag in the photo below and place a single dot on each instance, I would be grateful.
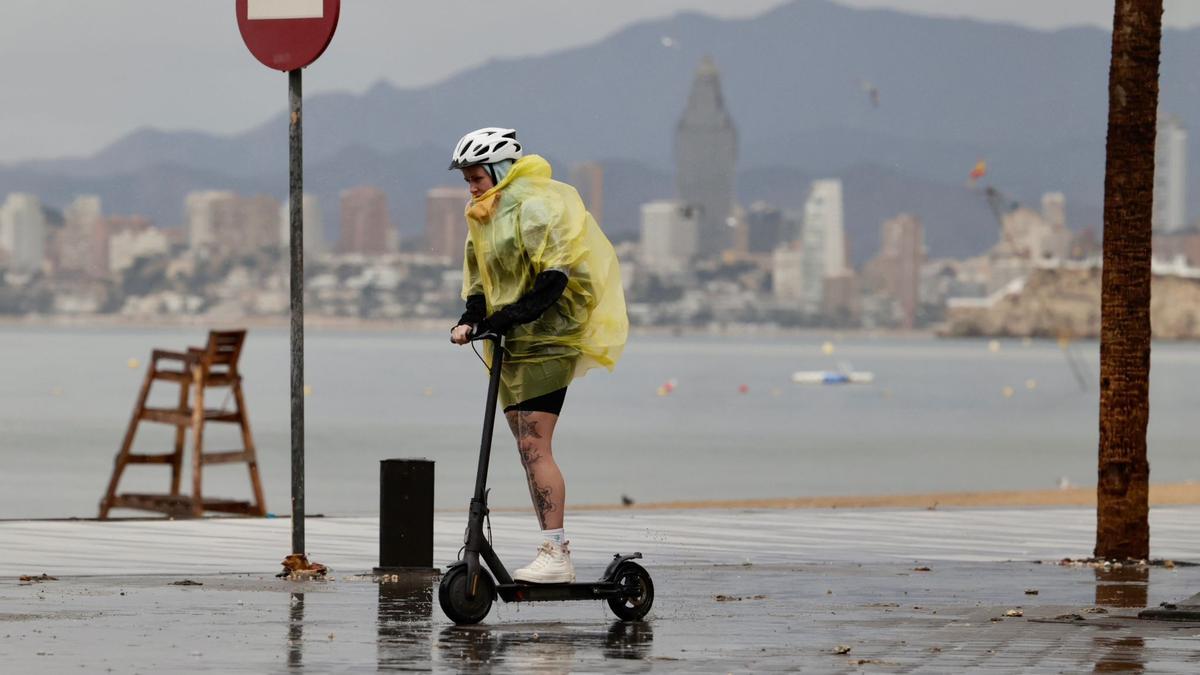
(979, 171)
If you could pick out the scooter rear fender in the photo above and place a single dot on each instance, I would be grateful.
(618, 558)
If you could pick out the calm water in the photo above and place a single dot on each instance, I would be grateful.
(935, 419)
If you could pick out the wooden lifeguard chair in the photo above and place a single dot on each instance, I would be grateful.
(216, 365)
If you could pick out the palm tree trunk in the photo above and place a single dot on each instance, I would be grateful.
(1122, 490)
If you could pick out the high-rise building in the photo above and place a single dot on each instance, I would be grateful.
(901, 254)
(255, 226)
(204, 213)
(839, 297)
(705, 158)
(83, 240)
(445, 224)
(668, 242)
(1170, 175)
(588, 178)
(223, 224)
(23, 232)
(314, 225)
(765, 228)
(366, 227)
(787, 273)
(1054, 210)
(823, 240)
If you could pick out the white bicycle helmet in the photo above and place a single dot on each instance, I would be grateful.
(485, 146)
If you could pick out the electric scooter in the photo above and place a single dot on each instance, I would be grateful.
(471, 584)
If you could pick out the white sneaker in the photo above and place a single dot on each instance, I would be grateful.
(551, 566)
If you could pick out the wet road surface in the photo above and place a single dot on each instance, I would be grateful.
(892, 617)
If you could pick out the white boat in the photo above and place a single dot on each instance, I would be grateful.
(832, 377)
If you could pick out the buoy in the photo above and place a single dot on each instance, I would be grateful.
(1007, 392)
(827, 348)
(133, 363)
(428, 391)
(1031, 384)
(663, 391)
(308, 390)
(994, 346)
(743, 388)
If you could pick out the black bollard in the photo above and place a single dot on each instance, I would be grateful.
(405, 515)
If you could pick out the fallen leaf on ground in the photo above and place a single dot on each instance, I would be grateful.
(25, 578)
(297, 568)
(737, 598)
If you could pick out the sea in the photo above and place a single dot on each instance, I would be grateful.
(693, 417)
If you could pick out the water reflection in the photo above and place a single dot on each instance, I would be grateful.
(1124, 655)
(541, 647)
(628, 640)
(403, 621)
(1125, 587)
(295, 641)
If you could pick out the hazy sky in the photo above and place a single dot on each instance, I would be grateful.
(78, 75)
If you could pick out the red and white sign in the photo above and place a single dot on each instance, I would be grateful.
(287, 34)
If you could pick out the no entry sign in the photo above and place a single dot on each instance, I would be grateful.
(287, 34)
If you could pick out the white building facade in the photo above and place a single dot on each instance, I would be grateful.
(23, 232)
(1170, 176)
(314, 225)
(125, 247)
(823, 240)
(669, 231)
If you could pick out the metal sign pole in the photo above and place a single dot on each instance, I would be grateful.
(296, 236)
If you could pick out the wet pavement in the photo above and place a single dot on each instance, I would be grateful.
(891, 617)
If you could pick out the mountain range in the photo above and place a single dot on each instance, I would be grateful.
(796, 81)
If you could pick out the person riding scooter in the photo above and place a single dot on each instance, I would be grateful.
(539, 271)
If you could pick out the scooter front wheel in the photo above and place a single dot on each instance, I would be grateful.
(635, 607)
(453, 592)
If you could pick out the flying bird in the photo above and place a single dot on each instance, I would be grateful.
(872, 92)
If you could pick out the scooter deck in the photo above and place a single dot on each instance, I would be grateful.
(595, 590)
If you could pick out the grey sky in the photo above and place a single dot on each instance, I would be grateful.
(78, 75)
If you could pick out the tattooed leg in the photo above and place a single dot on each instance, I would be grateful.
(547, 491)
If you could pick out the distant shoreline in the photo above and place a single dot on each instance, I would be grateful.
(340, 324)
(1166, 494)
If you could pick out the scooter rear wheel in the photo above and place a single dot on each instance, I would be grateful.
(636, 607)
(452, 596)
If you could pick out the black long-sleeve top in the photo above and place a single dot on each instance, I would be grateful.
(547, 288)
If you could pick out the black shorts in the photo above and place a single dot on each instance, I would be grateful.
(548, 403)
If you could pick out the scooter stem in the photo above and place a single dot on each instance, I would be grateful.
(489, 417)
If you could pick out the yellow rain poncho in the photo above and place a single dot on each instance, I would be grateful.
(524, 226)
